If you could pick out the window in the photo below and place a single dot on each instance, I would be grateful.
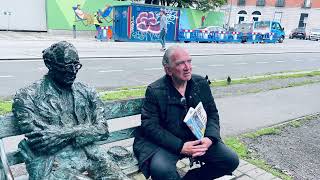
(256, 15)
(303, 20)
(241, 16)
(306, 4)
(276, 26)
(261, 2)
(241, 2)
(280, 3)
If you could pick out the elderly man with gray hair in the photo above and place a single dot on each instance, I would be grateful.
(164, 138)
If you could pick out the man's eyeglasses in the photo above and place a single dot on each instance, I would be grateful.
(68, 67)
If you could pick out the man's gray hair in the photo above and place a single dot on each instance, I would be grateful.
(166, 60)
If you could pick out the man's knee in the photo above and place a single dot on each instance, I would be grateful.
(163, 166)
(231, 161)
(223, 157)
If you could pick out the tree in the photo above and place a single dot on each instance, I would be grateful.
(203, 5)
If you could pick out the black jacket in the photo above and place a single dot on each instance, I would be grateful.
(162, 117)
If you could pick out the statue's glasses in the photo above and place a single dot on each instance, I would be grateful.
(68, 67)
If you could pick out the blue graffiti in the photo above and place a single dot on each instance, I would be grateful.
(144, 36)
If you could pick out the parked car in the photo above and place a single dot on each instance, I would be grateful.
(266, 27)
(314, 34)
(299, 33)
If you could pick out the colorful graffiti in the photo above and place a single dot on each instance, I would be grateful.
(147, 22)
(61, 16)
(145, 36)
(172, 15)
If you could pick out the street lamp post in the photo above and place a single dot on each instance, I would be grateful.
(230, 9)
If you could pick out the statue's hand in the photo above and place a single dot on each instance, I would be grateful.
(48, 140)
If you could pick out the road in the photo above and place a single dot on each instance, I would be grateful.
(106, 73)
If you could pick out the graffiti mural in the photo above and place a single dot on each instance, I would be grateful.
(145, 36)
(147, 22)
(172, 15)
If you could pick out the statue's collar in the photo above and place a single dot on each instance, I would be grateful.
(55, 86)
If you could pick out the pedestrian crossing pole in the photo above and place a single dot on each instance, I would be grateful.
(74, 31)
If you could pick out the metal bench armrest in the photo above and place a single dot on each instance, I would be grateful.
(5, 164)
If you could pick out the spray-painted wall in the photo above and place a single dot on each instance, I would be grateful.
(191, 19)
(23, 15)
(141, 22)
(62, 16)
(43, 15)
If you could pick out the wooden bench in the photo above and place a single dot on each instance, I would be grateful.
(113, 110)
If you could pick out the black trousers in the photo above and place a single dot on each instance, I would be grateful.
(219, 161)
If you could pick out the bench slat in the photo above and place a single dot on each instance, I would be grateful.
(8, 126)
(119, 135)
(114, 109)
(123, 108)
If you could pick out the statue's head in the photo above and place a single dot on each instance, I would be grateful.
(63, 63)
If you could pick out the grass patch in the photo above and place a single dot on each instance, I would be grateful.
(139, 91)
(262, 132)
(295, 123)
(237, 146)
(243, 152)
(5, 107)
(258, 79)
(122, 94)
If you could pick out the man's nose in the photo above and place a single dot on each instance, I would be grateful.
(73, 69)
(187, 66)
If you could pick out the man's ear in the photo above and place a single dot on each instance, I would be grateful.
(167, 70)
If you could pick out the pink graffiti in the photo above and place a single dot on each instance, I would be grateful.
(146, 21)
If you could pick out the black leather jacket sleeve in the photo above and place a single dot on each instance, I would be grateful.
(213, 125)
(152, 129)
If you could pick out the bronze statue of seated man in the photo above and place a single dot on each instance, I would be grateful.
(61, 121)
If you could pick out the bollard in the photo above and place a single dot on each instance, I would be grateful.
(74, 31)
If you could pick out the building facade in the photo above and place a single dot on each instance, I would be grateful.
(290, 13)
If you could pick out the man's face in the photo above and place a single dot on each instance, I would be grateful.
(180, 68)
(64, 73)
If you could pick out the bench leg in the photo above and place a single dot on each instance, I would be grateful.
(6, 168)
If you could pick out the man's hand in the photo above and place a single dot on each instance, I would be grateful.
(206, 142)
(193, 148)
(196, 148)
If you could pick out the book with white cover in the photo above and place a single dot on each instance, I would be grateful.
(196, 120)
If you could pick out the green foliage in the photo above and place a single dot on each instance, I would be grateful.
(235, 144)
(249, 80)
(265, 131)
(206, 5)
(295, 123)
(5, 107)
(123, 94)
(203, 5)
(243, 152)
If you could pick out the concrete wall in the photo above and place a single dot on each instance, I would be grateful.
(23, 15)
